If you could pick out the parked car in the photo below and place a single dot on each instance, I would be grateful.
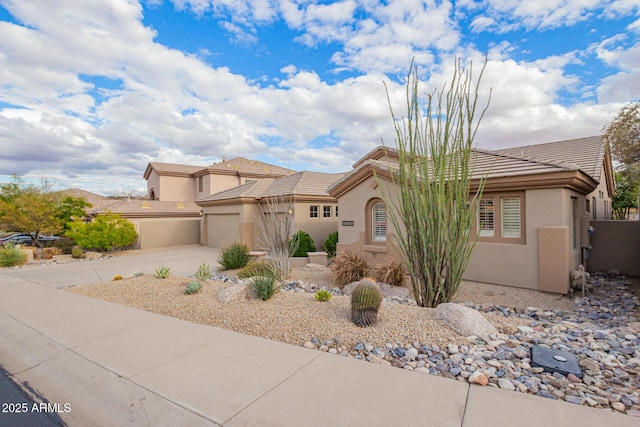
(25, 239)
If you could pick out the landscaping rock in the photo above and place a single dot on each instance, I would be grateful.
(465, 321)
(233, 293)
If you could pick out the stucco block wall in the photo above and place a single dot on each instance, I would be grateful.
(615, 245)
(318, 228)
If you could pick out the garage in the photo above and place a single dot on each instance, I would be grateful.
(222, 229)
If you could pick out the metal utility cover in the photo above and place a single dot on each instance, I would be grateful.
(551, 360)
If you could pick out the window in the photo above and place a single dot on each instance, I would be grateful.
(326, 211)
(485, 217)
(313, 211)
(510, 216)
(336, 211)
(200, 184)
(594, 208)
(379, 222)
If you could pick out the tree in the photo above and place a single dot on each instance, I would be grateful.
(30, 209)
(431, 209)
(36, 209)
(106, 232)
(623, 136)
(626, 196)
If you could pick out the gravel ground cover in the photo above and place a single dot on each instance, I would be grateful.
(296, 318)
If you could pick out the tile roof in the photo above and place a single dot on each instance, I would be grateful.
(143, 208)
(161, 167)
(251, 190)
(305, 183)
(242, 165)
(587, 154)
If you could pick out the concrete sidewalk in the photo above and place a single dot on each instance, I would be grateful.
(115, 365)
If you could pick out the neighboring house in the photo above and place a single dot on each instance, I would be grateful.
(533, 216)
(170, 181)
(157, 223)
(231, 216)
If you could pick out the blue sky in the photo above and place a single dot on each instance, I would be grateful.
(93, 90)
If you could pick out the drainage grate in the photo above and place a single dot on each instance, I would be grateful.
(551, 360)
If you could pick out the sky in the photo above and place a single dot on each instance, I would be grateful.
(91, 91)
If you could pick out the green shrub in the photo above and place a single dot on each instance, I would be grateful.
(106, 232)
(330, 244)
(264, 287)
(234, 256)
(365, 302)
(192, 287)
(347, 267)
(255, 268)
(323, 295)
(163, 272)
(10, 255)
(305, 244)
(390, 272)
(203, 272)
(66, 244)
(77, 252)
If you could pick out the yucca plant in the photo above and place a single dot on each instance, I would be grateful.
(10, 255)
(264, 287)
(163, 272)
(348, 266)
(203, 273)
(234, 256)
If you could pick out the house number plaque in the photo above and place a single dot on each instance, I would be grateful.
(347, 223)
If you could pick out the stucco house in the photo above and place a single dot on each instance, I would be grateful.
(230, 216)
(171, 181)
(533, 216)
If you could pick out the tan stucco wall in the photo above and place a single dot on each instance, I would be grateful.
(615, 245)
(176, 188)
(318, 228)
(153, 183)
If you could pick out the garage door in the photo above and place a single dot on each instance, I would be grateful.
(222, 229)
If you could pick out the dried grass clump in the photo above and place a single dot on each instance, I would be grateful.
(390, 271)
(348, 266)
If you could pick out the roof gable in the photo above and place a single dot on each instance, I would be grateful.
(242, 166)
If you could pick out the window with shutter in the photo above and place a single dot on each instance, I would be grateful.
(510, 217)
(379, 222)
(485, 218)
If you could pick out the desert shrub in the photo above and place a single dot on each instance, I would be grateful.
(10, 255)
(323, 295)
(365, 302)
(255, 268)
(305, 244)
(234, 256)
(106, 232)
(347, 267)
(65, 244)
(163, 272)
(117, 277)
(330, 244)
(77, 252)
(203, 272)
(192, 287)
(264, 287)
(390, 272)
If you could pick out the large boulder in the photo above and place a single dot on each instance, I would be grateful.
(464, 321)
(232, 294)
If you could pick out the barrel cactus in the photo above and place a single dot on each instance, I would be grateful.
(365, 302)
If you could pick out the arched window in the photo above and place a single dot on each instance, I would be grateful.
(152, 194)
(378, 222)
